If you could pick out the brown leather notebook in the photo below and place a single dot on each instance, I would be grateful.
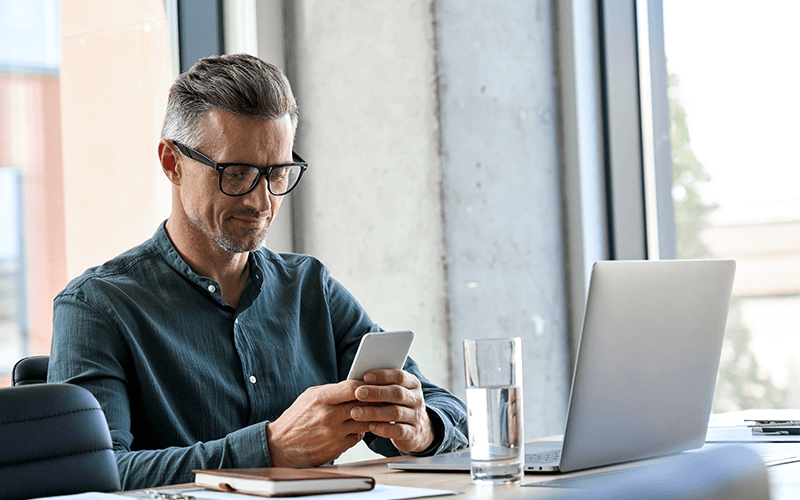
(279, 482)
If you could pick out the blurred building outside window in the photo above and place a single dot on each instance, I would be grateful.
(31, 178)
(63, 68)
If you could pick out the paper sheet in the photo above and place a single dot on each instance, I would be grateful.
(85, 496)
(380, 492)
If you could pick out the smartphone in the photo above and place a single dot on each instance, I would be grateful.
(381, 350)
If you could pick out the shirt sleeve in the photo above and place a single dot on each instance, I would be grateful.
(448, 413)
(86, 351)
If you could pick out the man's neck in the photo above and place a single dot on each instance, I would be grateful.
(207, 259)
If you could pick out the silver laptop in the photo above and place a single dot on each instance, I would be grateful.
(645, 371)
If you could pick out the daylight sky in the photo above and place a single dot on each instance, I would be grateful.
(738, 70)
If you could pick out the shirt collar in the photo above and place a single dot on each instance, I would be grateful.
(207, 285)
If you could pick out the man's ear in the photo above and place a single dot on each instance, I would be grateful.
(168, 157)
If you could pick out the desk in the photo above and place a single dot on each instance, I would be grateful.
(456, 481)
(784, 479)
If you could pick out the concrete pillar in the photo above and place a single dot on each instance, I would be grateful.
(434, 187)
(503, 210)
(370, 206)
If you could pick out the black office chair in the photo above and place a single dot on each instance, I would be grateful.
(54, 440)
(30, 370)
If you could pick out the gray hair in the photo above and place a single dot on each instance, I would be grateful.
(240, 83)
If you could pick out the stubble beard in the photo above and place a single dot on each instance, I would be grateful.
(231, 242)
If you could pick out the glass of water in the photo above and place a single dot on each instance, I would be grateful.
(493, 369)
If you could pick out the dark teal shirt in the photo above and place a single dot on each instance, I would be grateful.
(188, 382)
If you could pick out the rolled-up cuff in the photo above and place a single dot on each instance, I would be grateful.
(249, 446)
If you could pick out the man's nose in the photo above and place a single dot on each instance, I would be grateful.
(260, 198)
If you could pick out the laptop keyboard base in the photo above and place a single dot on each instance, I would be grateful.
(543, 457)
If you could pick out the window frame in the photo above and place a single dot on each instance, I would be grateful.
(636, 118)
(616, 156)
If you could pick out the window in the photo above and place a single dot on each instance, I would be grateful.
(49, 55)
(13, 331)
(736, 180)
(31, 186)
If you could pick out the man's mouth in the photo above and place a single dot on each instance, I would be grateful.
(254, 222)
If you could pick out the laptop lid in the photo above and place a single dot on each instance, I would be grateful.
(648, 359)
(646, 367)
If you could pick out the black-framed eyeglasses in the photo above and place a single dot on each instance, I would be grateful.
(238, 179)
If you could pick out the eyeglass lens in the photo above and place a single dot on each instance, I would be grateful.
(238, 179)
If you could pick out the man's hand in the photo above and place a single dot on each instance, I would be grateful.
(317, 428)
(402, 416)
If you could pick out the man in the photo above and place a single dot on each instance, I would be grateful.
(207, 350)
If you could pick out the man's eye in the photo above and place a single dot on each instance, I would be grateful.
(238, 173)
(279, 174)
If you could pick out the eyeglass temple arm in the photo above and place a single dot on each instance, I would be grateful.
(197, 155)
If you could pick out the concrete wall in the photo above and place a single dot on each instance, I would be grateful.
(434, 187)
(502, 198)
(370, 206)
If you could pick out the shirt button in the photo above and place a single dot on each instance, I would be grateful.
(236, 321)
(252, 379)
(212, 288)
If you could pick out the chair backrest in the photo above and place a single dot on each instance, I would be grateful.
(54, 440)
(30, 370)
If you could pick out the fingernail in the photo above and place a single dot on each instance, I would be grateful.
(362, 392)
(372, 426)
(370, 377)
(357, 412)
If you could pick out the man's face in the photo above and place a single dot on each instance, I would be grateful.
(235, 224)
